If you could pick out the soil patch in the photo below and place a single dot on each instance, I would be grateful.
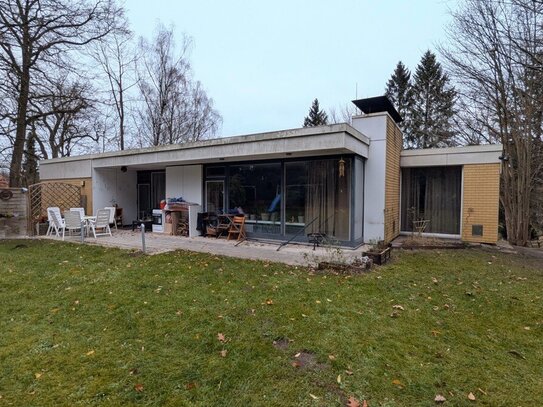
(307, 360)
(281, 343)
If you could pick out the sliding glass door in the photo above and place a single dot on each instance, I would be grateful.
(432, 194)
(288, 198)
(318, 197)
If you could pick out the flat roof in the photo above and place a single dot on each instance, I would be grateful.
(336, 139)
(223, 141)
(482, 154)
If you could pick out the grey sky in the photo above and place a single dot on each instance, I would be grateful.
(264, 62)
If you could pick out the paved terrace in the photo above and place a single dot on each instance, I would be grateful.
(293, 254)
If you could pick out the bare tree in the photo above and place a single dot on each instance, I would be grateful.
(174, 108)
(495, 57)
(35, 37)
(116, 57)
(342, 114)
(69, 120)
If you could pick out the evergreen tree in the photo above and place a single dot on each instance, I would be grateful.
(316, 117)
(430, 115)
(399, 92)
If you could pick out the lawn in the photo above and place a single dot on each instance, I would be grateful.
(96, 326)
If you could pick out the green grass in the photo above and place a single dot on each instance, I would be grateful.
(84, 325)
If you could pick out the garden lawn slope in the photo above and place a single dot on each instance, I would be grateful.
(85, 325)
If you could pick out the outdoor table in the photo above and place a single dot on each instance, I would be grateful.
(87, 219)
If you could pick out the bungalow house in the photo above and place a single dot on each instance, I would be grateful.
(352, 182)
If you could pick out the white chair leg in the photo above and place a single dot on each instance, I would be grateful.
(49, 230)
(63, 230)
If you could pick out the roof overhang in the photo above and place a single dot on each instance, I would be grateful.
(433, 157)
(304, 142)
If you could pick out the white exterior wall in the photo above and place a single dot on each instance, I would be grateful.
(374, 127)
(185, 181)
(65, 170)
(110, 186)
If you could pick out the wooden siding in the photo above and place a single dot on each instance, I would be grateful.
(394, 141)
(480, 206)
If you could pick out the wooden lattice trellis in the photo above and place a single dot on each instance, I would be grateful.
(49, 194)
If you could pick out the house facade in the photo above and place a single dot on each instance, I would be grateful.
(352, 182)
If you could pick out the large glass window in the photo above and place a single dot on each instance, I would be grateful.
(318, 196)
(432, 194)
(255, 190)
(215, 196)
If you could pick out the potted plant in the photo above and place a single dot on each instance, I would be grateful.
(379, 252)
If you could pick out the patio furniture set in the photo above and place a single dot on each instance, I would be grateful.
(75, 220)
(219, 225)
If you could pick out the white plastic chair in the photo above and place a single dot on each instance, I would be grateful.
(112, 220)
(101, 222)
(56, 223)
(51, 226)
(72, 221)
(80, 210)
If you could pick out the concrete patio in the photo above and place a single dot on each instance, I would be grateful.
(293, 254)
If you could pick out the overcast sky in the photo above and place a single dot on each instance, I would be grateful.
(264, 62)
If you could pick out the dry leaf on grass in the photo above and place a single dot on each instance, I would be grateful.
(37, 375)
(90, 352)
(296, 364)
(397, 306)
(352, 402)
(339, 379)
(220, 337)
(349, 372)
(138, 387)
(471, 396)
(331, 357)
(190, 386)
(223, 353)
(313, 396)
(269, 302)
(440, 399)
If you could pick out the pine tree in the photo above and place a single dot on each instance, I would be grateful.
(316, 117)
(431, 112)
(400, 93)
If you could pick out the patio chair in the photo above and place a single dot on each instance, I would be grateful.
(237, 228)
(72, 221)
(101, 222)
(80, 210)
(56, 223)
(112, 217)
(51, 226)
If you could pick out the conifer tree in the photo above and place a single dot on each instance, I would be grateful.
(432, 109)
(316, 116)
(399, 92)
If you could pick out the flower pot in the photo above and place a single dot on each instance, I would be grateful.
(301, 219)
(379, 257)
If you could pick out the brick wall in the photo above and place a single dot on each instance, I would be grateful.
(480, 204)
(392, 180)
(13, 214)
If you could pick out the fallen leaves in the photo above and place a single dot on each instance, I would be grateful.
(138, 387)
(90, 352)
(471, 396)
(440, 399)
(221, 337)
(223, 353)
(353, 402)
(313, 396)
(38, 375)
